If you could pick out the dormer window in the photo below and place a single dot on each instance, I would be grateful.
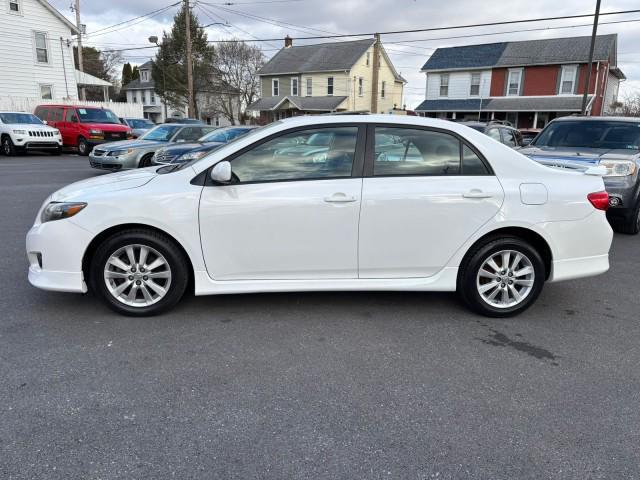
(144, 75)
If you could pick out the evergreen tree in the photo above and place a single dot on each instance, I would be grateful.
(126, 74)
(170, 61)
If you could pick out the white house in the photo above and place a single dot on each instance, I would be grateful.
(36, 53)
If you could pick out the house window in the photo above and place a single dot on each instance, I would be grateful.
(329, 85)
(152, 97)
(42, 50)
(309, 87)
(14, 6)
(514, 82)
(474, 90)
(568, 79)
(134, 96)
(275, 87)
(383, 89)
(46, 92)
(145, 75)
(368, 58)
(360, 86)
(294, 86)
(444, 84)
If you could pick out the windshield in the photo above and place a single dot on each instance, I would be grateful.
(161, 133)
(223, 135)
(591, 134)
(97, 115)
(139, 123)
(19, 118)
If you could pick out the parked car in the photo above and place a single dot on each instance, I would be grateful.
(138, 153)
(612, 142)
(83, 127)
(528, 134)
(499, 131)
(138, 126)
(182, 120)
(185, 152)
(24, 132)
(243, 219)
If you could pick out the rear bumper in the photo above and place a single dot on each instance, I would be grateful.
(579, 267)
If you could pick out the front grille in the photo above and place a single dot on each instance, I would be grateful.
(115, 135)
(42, 145)
(40, 133)
(164, 158)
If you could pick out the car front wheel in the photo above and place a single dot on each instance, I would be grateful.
(7, 147)
(501, 277)
(139, 272)
(83, 147)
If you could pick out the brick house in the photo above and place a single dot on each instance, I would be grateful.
(527, 83)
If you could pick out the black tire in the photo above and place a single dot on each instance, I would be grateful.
(629, 225)
(468, 279)
(57, 152)
(8, 148)
(83, 147)
(175, 258)
(145, 161)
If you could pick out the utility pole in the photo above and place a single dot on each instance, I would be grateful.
(80, 66)
(585, 95)
(375, 74)
(191, 106)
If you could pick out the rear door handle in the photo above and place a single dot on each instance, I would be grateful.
(340, 198)
(476, 193)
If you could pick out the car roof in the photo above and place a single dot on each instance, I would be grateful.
(582, 118)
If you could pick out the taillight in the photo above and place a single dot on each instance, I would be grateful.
(599, 200)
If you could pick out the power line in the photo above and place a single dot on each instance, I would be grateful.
(127, 23)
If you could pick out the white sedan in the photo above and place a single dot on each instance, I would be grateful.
(383, 203)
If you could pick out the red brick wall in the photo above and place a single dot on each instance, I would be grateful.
(498, 79)
(541, 80)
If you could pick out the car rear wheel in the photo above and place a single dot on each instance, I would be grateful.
(83, 147)
(501, 277)
(139, 272)
(7, 146)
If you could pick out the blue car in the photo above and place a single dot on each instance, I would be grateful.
(185, 152)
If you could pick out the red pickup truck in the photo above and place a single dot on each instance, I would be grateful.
(83, 127)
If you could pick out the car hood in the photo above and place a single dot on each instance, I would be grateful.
(110, 182)
(582, 155)
(123, 144)
(30, 126)
(180, 148)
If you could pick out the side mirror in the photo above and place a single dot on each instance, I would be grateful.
(221, 172)
(74, 119)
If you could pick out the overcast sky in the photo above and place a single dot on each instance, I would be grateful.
(311, 17)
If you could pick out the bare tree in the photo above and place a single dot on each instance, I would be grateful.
(629, 105)
(237, 64)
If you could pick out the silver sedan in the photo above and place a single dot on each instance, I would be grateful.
(137, 153)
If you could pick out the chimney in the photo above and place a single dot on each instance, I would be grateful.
(288, 42)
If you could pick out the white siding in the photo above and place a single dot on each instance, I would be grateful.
(23, 104)
(20, 74)
(459, 85)
(611, 94)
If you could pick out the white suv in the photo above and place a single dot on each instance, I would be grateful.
(24, 132)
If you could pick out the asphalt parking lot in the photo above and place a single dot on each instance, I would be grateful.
(310, 386)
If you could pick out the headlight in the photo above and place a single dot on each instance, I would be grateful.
(60, 210)
(56, 132)
(115, 153)
(20, 132)
(95, 132)
(619, 168)
(191, 156)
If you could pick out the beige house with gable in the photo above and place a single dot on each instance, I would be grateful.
(329, 77)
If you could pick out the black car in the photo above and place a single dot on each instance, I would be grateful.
(185, 152)
(498, 131)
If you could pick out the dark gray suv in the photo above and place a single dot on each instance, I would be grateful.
(612, 142)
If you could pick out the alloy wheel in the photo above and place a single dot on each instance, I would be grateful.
(505, 279)
(137, 275)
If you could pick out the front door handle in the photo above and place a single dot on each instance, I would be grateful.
(476, 193)
(340, 198)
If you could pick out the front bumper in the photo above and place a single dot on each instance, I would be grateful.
(113, 162)
(55, 250)
(36, 142)
(625, 189)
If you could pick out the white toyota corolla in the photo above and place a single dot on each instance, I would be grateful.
(362, 202)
